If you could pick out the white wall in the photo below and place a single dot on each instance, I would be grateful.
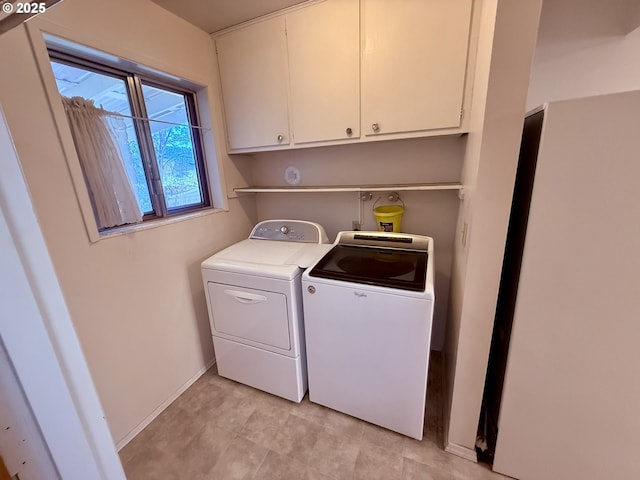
(469, 177)
(585, 48)
(435, 159)
(136, 300)
(508, 32)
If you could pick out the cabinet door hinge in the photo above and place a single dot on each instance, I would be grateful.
(461, 113)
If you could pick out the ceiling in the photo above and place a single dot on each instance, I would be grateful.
(592, 16)
(564, 21)
(214, 15)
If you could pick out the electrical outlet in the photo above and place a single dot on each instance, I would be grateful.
(355, 225)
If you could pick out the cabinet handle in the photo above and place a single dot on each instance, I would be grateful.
(280, 138)
(349, 131)
(245, 297)
(375, 127)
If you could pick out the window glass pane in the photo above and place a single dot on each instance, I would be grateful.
(109, 93)
(173, 147)
(130, 151)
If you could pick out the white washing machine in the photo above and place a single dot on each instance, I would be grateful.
(254, 298)
(368, 307)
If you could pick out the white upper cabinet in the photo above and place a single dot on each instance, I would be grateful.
(254, 79)
(414, 60)
(323, 43)
(342, 71)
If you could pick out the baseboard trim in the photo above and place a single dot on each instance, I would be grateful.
(151, 417)
(461, 451)
(452, 448)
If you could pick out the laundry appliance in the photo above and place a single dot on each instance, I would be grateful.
(368, 306)
(254, 298)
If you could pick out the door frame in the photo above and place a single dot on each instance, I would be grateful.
(40, 340)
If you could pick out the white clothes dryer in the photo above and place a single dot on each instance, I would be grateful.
(254, 298)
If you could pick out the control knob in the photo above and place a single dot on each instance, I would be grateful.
(284, 229)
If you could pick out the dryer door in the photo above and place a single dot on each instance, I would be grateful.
(249, 315)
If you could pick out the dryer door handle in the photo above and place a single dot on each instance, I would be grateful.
(245, 297)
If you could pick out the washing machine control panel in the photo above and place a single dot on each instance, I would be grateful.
(290, 231)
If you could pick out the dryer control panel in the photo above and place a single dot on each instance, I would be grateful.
(290, 231)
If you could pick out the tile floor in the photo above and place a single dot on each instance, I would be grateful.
(219, 429)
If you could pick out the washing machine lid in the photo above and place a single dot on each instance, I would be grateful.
(266, 258)
(393, 260)
(384, 267)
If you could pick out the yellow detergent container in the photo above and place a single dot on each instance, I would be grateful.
(389, 217)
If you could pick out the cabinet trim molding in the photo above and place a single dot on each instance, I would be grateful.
(277, 13)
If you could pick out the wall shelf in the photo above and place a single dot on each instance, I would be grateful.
(352, 188)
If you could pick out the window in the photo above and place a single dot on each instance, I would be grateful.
(154, 127)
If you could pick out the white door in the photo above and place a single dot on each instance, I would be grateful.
(413, 64)
(572, 386)
(368, 353)
(323, 42)
(253, 73)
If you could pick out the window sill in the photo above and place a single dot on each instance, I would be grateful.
(160, 222)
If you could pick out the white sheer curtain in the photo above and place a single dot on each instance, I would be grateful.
(113, 197)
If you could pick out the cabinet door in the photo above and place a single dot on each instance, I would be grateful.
(253, 74)
(324, 68)
(414, 64)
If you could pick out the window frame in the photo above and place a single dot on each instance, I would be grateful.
(134, 81)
